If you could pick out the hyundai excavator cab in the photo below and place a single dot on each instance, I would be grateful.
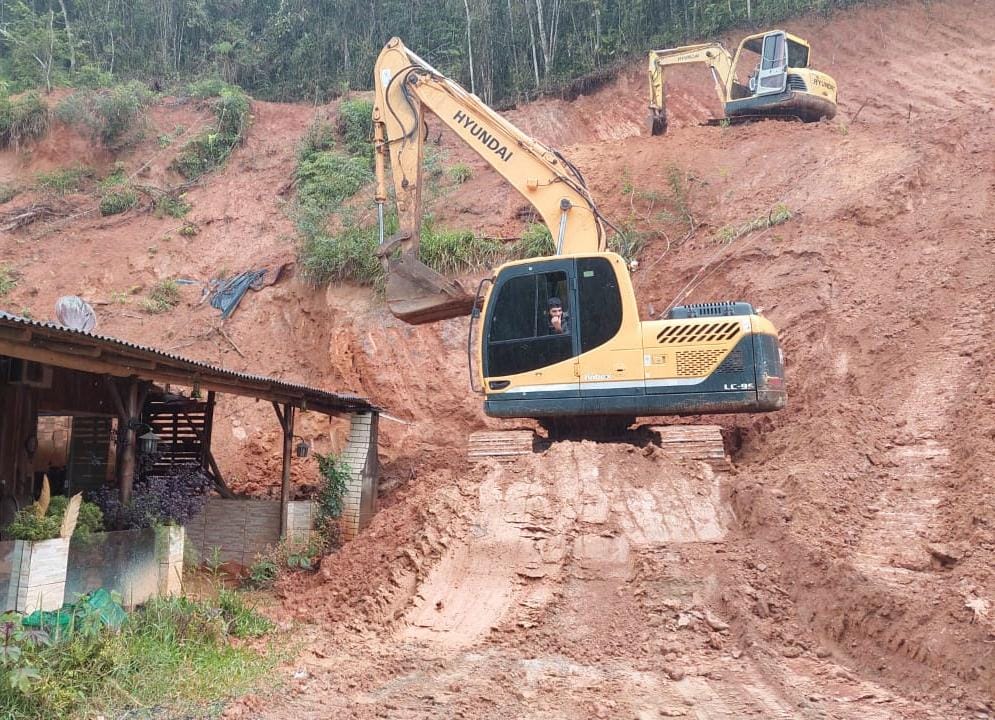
(777, 80)
(603, 359)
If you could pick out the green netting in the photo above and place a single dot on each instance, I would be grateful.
(98, 604)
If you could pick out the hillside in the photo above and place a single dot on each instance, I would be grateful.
(853, 562)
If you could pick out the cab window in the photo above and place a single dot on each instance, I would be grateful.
(520, 335)
(601, 301)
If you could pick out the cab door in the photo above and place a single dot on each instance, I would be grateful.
(611, 360)
(773, 76)
(524, 357)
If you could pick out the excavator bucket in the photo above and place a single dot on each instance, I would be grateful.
(417, 294)
(658, 120)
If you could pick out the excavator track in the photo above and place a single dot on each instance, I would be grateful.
(703, 443)
(500, 444)
(694, 442)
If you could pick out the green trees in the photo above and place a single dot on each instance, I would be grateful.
(314, 49)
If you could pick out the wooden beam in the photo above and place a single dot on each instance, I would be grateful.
(279, 416)
(219, 481)
(126, 476)
(288, 446)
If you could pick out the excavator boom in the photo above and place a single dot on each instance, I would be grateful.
(714, 55)
(406, 86)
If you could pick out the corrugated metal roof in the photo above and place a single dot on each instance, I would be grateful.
(199, 371)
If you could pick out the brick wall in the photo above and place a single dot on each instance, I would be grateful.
(363, 460)
(238, 530)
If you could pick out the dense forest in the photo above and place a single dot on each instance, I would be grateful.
(505, 50)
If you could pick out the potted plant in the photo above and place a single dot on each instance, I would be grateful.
(41, 549)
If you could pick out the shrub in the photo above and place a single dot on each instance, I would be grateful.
(118, 200)
(460, 173)
(320, 136)
(262, 573)
(25, 118)
(211, 148)
(92, 77)
(327, 178)
(28, 525)
(355, 126)
(111, 114)
(164, 296)
(66, 180)
(8, 280)
(536, 241)
(171, 499)
(8, 192)
(206, 88)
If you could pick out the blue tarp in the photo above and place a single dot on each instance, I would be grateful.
(229, 293)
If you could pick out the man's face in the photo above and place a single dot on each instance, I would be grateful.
(556, 313)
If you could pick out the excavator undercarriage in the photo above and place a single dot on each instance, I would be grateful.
(684, 443)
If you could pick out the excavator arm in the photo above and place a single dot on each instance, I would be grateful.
(406, 87)
(716, 57)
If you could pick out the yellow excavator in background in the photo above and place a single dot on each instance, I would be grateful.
(599, 359)
(781, 83)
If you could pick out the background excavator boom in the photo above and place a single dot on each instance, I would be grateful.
(714, 55)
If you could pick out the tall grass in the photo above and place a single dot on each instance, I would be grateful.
(21, 119)
(112, 114)
(175, 655)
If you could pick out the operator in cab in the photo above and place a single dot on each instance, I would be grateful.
(558, 322)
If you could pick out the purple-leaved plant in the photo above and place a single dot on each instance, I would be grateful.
(171, 499)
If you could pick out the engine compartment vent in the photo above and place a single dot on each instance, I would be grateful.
(712, 309)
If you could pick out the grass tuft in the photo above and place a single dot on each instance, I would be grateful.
(164, 296)
(65, 180)
(211, 148)
(460, 173)
(355, 126)
(8, 280)
(111, 114)
(325, 179)
(536, 241)
(778, 215)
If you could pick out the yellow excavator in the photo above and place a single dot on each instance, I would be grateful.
(781, 83)
(555, 337)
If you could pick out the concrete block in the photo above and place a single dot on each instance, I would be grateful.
(38, 575)
(169, 542)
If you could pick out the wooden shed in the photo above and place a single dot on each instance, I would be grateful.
(105, 394)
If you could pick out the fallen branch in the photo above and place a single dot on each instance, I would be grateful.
(28, 214)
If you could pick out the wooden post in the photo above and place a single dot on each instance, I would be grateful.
(127, 471)
(287, 423)
(205, 442)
